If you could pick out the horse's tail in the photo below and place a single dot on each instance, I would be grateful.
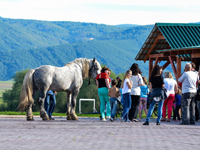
(27, 91)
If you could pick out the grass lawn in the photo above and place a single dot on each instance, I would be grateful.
(54, 114)
(57, 114)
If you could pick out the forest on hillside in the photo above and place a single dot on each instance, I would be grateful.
(27, 44)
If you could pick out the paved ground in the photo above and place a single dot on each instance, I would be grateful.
(90, 133)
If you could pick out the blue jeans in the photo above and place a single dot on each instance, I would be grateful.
(113, 106)
(151, 108)
(49, 104)
(126, 106)
(188, 108)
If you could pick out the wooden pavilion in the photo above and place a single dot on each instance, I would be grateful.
(173, 43)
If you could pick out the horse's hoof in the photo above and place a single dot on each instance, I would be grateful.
(69, 118)
(44, 116)
(74, 118)
(45, 119)
(30, 119)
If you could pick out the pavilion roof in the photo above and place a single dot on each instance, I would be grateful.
(170, 37)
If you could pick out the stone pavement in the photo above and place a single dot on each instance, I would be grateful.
(90, 133)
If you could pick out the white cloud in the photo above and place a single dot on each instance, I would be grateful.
(104, 11)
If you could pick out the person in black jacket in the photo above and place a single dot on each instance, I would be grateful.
(157, 94)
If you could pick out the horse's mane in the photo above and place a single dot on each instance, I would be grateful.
(85, 64)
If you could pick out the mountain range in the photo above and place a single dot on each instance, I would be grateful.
(31, 43)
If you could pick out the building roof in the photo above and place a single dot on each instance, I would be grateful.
(169, 37)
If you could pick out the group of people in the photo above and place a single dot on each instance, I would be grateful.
(134, 92)
(129, 90)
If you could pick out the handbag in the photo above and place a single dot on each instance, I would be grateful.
(157, 99)
(163, 97)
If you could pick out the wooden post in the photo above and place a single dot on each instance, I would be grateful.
(156, 62)
(150, 66)
(173, 67)
(178, 63)
(166, 64)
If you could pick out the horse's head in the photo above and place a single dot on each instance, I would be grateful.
(95, 68)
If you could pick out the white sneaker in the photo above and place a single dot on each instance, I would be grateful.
(135, 120)
(103, 119)
(107, 117)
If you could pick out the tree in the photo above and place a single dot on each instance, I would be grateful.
(12, 96)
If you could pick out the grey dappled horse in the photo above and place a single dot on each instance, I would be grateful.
(68, 78)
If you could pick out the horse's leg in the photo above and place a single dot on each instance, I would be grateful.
(41, 98)
(69, 105)
(29, 112)
(73, 103)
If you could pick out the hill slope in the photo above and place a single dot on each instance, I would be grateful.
(25, 34)
(31, 43)
(116, 54)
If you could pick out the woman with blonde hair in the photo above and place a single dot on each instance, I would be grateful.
(126, 90)
(171, 87)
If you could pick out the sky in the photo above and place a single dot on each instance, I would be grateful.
(110, 12)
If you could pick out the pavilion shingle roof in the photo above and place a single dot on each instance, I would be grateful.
(176, 36)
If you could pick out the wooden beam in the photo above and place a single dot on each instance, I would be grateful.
(166, 64)
(156, 32)
(168, 47)
(159, 43)
(150, 66)
(173, 53)
(173, 66)
(188, 51)
(166, 54)
(142, 54)
(156, 40)
(153, 49)
(160, 37)
(156, 55)
(195, 55)
(151, 37)
(178, 62)
(156, 62)
(195, 51)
